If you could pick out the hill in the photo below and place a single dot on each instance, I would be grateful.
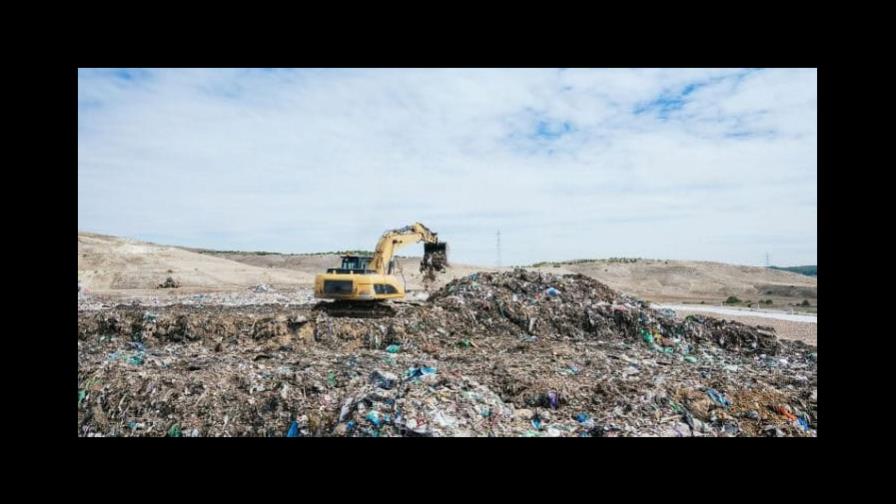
(108, 264)
(811, 270)
(693, 281)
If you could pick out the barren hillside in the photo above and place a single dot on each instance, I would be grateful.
(108, 264)
(695, 281)
(112, 264)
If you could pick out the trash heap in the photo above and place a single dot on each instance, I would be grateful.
(517, 353)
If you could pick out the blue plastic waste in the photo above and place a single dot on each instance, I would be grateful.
(582, 417)
(536, 422)
(374, 418)
(393, 348)
(552, 292)
(718, 397)
(293, 429)
(803, 422)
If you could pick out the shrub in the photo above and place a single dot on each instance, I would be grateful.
(732, 300)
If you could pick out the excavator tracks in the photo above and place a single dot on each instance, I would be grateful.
(355, 309)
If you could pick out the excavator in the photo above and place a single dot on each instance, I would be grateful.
(370, 278)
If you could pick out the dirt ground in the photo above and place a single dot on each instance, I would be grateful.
(111, 264)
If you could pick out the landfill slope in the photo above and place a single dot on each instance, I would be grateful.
(517, 353)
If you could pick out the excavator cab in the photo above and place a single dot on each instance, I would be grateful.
(353, 264)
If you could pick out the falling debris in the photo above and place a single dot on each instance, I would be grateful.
(435, 259)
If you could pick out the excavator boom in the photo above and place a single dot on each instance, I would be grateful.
(397, 238)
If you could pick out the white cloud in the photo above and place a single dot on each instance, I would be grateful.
(720, 164)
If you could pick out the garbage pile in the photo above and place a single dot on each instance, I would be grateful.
(517, 353)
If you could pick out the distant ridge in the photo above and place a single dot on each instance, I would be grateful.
(802, 270)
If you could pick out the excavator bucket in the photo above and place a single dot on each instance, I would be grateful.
(435, 256)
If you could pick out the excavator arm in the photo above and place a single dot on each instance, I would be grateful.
(397, 238)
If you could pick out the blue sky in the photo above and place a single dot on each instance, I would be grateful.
(703, 164)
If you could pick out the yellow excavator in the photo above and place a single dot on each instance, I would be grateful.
(369, 278)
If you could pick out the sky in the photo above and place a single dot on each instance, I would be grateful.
(691, 164)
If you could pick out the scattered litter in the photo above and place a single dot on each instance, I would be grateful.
(383, 379)
(718, 397)
(536, 422)
(415, 372)
(785, 410)
(553, 400)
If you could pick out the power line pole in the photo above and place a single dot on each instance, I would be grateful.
(766, 260)
(498, 245)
